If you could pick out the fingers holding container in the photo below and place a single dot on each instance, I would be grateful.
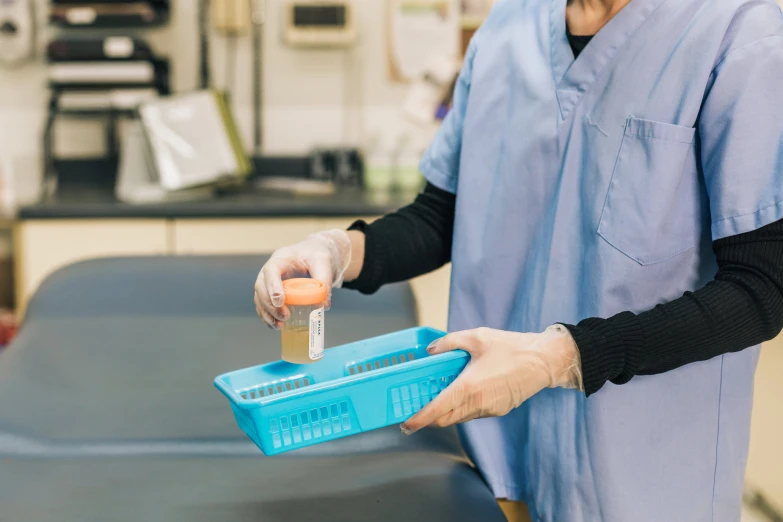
(324, 256)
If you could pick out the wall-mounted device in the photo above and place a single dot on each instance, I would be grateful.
(17, 31)
(230, 16)
(319, 23)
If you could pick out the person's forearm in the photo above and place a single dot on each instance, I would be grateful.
(357, 256)
(742, 307)
(408, 243)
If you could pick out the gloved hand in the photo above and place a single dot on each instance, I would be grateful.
(324, 256)
(505, 370)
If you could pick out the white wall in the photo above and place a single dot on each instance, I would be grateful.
(304, 91)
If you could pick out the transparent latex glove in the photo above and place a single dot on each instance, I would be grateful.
(505, 370)
(324, 256)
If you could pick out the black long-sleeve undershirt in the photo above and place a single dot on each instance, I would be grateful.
(411, 242)
(741, 307)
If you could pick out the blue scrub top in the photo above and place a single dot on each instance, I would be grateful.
(593, 186)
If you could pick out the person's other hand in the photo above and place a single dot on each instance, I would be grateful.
(324, 256)
(505, 370)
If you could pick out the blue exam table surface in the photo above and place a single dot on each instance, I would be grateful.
(107, 411)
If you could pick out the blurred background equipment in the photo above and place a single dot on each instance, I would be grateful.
(137, 181)
(319, 23)
(100, 69)
(91, 63)
(194, 140)
(102, 78)
(342, 166)
(108, 13)
(17, 31)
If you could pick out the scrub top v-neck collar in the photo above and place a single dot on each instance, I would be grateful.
(573, 78)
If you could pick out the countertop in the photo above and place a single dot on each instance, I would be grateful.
(90, 195)
(250, 204)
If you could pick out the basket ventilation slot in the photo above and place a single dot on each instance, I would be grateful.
(407, 400)
(381, 362)
(316, 423)
(273, 388)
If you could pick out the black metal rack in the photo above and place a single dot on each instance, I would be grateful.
(160, 11)
(110, 116)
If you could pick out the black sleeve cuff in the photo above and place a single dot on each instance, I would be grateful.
(610, 349)
(369, 280)
(408, 243)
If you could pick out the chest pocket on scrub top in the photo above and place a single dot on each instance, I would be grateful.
(650, 211)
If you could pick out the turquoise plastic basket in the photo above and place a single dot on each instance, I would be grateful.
(355, 388)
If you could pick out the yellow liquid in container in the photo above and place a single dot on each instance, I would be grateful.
(302, 337)
(296, 344)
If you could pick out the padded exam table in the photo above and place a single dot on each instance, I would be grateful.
(108, 413)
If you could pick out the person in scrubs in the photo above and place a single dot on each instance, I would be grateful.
(608, 187)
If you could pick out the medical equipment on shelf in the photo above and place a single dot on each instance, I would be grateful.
(93, 62)
(102, 73)
(357, 387)
(319, 23)
(17, 31)
(72, 13)
(112, 99)
(104, 78)
(194, 140)
(342, 166)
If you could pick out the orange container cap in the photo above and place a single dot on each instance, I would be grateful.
(304, 291)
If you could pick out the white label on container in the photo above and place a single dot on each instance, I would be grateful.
(316, 334)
